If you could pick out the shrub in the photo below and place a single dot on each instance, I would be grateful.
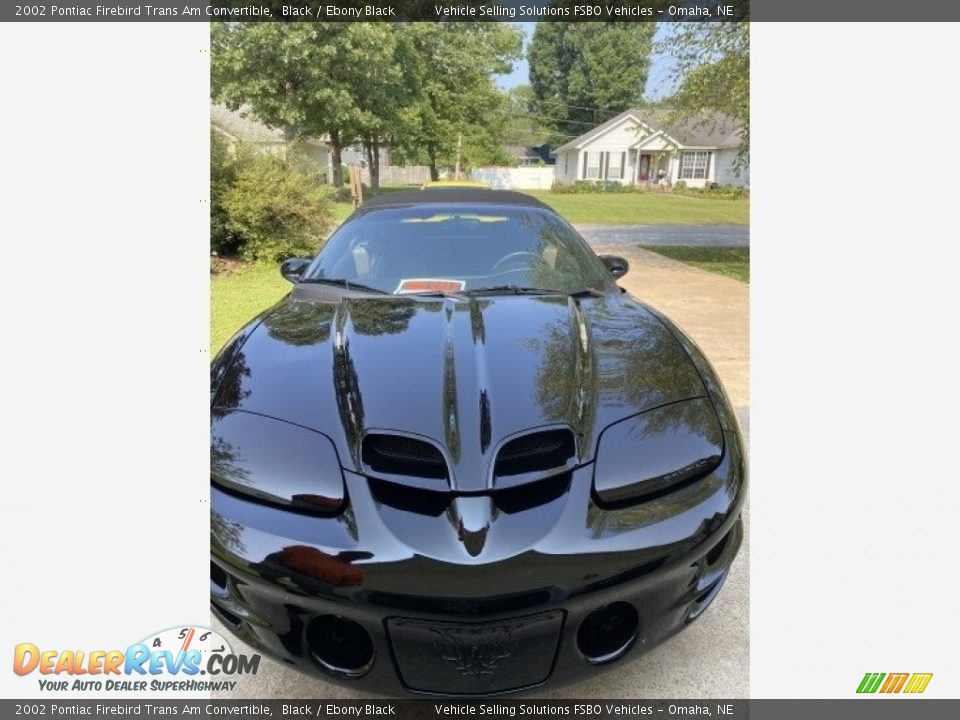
(222, 175)
(595, 186)
(713, 190)
(562, 188)
(272, 210)
(342, 194)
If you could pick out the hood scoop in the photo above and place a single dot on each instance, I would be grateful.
(405, 459)
(418, 462)
(534, 456)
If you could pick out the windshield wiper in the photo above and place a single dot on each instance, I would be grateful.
(344, 283)
(584, 293)
(507, 290)
(520, 290)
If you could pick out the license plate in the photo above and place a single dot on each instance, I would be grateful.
(475, 659)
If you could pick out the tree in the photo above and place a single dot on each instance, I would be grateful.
(291, 76)
(523, 126)
(582, 74)
(222, 177)
(456, 105)
(711, 69)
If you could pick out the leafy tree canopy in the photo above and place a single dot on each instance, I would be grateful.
(456, 101)
(711, 69)
(582, 74)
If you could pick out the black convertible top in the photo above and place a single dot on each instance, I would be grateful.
(431, 195)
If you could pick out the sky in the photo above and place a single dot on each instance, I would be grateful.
(657, 84)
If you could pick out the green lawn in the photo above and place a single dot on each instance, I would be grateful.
(730, 261)
(649, 208)
(237, 296)
(652, 208)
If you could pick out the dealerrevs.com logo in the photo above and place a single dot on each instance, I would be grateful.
(910, 683)
(178, 659)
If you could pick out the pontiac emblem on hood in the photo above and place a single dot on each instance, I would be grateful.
(476, 652)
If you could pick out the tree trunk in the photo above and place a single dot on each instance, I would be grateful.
(432, 154)
(372, 145)
(335, 154)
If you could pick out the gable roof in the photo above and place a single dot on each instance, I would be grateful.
(239, 125)
(243, 126)
(709, 129)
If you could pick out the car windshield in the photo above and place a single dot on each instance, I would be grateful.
(443, 248)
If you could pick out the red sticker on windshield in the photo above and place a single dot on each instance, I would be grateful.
(416, 285)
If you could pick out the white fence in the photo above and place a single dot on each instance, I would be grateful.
(515, 178)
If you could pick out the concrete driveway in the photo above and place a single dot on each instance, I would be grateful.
(711, 658)
(710, 235)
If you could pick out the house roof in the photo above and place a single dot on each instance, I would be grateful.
(521, 151)
(536, 152)
(241, 125)
(710, 129)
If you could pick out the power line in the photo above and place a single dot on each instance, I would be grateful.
(555, 119)
(639, 103)
(584, 107)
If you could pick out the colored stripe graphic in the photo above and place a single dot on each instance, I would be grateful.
(918, 682)
(894, 682)
(870, 682)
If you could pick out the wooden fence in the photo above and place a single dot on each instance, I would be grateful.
(400, 175)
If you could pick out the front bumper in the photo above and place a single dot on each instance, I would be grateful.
(427, 616)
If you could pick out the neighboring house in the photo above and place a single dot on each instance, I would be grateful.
(354, 154)
(636, 145)
(530, 155)
(238, 126)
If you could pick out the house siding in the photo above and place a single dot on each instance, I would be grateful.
(616, 140)
(628, 133)
(568, 166)
(725, 174)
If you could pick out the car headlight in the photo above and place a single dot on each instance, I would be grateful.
(276, 462)
(656, 450)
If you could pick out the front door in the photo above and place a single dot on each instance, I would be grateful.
(644, 169)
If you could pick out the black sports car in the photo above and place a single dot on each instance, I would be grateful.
(458, 459)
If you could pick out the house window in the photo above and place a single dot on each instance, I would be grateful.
(614, 166)
(591, 165)
(693, 165)
(566, 164)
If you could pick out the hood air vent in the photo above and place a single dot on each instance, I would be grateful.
(405, 456)
(539, 453)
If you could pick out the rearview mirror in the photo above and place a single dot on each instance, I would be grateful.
(617, 265)
(293, 268)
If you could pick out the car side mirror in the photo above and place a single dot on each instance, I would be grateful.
(293, 268)
(617, 265)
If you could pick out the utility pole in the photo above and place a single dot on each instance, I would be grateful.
(456, 171)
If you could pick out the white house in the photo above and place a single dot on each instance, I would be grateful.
(641, 146)
(238, 126)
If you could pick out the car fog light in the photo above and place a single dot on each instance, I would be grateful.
(606, 634)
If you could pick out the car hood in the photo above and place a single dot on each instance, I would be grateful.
(465, 373)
